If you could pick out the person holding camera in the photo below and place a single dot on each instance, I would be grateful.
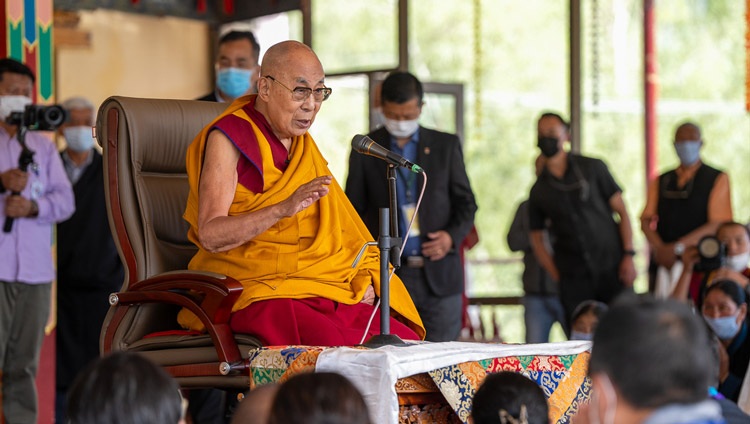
(35, 194)
(725, 257)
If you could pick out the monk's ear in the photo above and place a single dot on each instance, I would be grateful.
(264, 88)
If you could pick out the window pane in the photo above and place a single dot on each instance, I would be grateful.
(341, 117)
(360, 38)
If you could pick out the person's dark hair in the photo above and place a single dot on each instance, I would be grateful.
(556, 116)
(655, 352)
(15, 67)
(318, 398)
(509, 391)
(593, 306)
(242, 35)
(729, 224)
(124, 388)
(400, 87)
(730, 288)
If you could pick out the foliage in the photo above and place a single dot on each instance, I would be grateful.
(521, 69)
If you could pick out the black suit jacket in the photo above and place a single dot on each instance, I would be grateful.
(448, 202)
(210, 97)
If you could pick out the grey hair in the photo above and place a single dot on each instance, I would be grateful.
(77, 103)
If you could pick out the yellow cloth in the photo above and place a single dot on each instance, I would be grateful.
(306, 255)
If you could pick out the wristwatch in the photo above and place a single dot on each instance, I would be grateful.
(679, 249)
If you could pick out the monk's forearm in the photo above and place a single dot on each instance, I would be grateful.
(227, 232)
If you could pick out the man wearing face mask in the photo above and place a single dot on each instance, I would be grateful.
(682, 206)
(36, 199)
(593, 253)
(88, 265)
(650, 363)
(236, 67)
(430, 264)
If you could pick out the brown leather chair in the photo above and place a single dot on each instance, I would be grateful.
(144, 143)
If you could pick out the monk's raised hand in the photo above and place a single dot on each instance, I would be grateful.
(309, 193)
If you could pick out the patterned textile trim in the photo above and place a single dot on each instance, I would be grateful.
(562, 378)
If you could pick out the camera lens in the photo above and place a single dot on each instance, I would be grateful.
(53, 116)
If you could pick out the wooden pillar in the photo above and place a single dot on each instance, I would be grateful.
(575, 74)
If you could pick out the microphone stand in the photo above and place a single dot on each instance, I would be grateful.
(24, 160)
(387, 244)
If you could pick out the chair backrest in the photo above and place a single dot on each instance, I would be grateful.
(144, 143)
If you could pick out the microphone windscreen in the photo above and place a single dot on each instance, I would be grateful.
(360, 143)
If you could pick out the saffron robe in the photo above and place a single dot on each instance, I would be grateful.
(307, 255)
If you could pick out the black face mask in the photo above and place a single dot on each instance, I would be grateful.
(548, 146)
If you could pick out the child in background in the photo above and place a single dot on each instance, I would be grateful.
(585, 318)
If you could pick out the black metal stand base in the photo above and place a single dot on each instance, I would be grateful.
(380, 340)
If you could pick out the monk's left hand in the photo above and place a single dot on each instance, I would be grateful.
(439, 245)
(369, 297)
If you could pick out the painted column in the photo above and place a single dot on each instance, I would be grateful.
(28, 39)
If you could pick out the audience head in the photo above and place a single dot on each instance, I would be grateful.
(77, 129)
(401, 97)
(509, 398)
(16, 88)
(688, 143)
(318, 398)
(648, 353)
(291, 88)
(585, 318)
(256, 406)
(237, 64)
(124, 388)
(552, 133)
(736, 238)
(724, 308)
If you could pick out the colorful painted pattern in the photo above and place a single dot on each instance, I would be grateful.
(28, 39)
(563, 378)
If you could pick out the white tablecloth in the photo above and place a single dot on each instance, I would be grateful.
(376, 371)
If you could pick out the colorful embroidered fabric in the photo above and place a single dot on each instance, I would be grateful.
(563, 378)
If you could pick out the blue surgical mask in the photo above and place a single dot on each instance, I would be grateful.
(688, 151)
(233, 82)
(401, 129)
(577, 335)
(79, 138)
(724, 327)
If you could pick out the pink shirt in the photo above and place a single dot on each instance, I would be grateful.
(26, 252)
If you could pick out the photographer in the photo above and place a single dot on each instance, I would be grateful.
(32, 200)
(730, 263)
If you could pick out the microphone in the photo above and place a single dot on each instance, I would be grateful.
(365, 145)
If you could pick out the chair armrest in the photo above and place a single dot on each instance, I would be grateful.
(208, 295)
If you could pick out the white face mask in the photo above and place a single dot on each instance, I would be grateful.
(401, 129)
(603, 389)
(739, 262)
(79, 138)
(10, 104)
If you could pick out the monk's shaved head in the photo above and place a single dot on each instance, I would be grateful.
(289, 67)
(285, 55)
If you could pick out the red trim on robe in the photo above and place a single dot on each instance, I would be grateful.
(240, 133)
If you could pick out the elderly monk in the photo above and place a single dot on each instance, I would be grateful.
(264, 209)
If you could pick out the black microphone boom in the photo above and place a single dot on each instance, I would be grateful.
(365, 145)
